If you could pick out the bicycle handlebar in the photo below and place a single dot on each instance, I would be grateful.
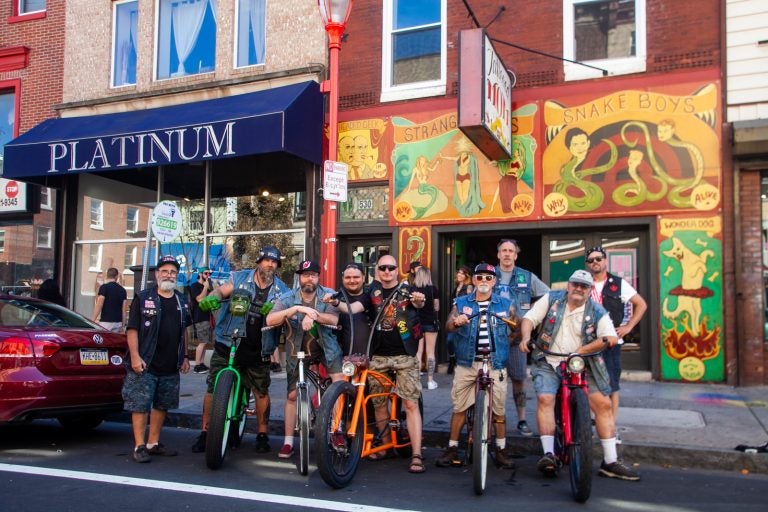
(329, 326)
(510, 322)
(533, 344)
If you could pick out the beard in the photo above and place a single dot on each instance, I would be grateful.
(166, 286)
(484, 288)
(266, 274)
(309, 288)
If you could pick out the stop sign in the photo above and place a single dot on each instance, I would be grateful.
(11, 189)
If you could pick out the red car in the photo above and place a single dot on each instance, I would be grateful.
(55, 363)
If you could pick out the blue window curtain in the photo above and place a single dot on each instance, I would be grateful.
(126, 29)
(26, 6)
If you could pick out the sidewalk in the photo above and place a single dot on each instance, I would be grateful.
(682, 425)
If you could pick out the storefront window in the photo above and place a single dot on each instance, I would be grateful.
(764, 230)
(369, 203)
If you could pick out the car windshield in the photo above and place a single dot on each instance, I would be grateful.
(16, 312)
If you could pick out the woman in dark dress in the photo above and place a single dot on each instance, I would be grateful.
(430, 325)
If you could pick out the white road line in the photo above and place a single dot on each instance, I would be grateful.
(198, 489)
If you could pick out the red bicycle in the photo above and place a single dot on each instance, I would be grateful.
(573, 424)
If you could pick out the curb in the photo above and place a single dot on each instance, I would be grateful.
(636, 453)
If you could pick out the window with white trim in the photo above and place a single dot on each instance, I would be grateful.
(607, 34)
(125, 28)
(30, 6)
(131, 219)
(413, 49)
(94, 257)
(250, 32)
(45, 198)
(186, 38)
(130, 256)
(2, 241)
(43, 237)
(97, 214)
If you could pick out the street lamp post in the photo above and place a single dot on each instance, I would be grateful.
(335, 14)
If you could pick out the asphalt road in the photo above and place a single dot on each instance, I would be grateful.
(43, 468)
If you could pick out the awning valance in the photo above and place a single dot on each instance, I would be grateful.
(284, 119)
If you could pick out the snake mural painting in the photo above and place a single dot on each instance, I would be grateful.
(690, 263)
(638, 151)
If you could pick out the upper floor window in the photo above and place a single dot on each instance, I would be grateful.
(413, 49)
(125, 23)
(7, 120)
(97, 214)
(2, 241)
(608, 34)
(45, 198)
(132, 220)
(43, 237)
(130, 256)
(250, 38)
(30, 6)
(186, 38)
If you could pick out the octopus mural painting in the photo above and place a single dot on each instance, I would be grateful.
(633, 150)
(690, 263)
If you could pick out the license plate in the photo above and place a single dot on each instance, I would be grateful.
(91, 356)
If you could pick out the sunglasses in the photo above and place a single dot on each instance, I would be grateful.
(581, 285)
(485, 277)
(595, 259)
(387, 268)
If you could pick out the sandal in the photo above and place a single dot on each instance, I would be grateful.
(417, 464)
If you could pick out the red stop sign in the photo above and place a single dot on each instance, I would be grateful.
(12, 189)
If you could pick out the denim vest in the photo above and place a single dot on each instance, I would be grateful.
(593, 312)
(466, 336)
(327, 338)
(519, 287)
(150, 314)
(227, 323)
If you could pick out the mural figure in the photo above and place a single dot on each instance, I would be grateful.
(425, 199)
(589, 195)
(690, 292)
(359, 168)
(511, 172)
(466, 173)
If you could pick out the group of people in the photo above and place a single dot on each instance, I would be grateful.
(576, 319)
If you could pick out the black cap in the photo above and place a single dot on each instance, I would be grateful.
(308, 266)
(484, 268)
(164, 260)
(271, 252)
(595, 249)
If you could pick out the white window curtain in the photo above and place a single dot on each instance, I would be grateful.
(125, 40)
(187, 18)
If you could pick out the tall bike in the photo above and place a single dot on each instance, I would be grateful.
(228, 406)
(573, 424)
(479, 416)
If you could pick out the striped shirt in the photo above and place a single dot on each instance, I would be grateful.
(483, 340)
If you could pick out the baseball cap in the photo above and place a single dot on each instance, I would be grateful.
(164, 260)
(308, 266)
(271, 252)
(203, 269)
(594, 249)
(582, 277)
(484, 268)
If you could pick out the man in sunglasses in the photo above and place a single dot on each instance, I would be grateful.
(474, 329)
(393, 351)
(517, 283)
(614, 293)
(571, 322)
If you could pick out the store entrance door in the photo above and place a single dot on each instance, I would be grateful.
(364, 250)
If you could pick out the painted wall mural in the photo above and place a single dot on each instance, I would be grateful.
(415, 244)
(690, 288)
(639, 151)
(361, 148)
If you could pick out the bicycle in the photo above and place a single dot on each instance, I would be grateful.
(228, 410)
(478, 436)
(344, 433)
(573, 424)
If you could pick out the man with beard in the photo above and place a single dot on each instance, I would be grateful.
(513, 282)
(394, 352)
(306, 314)
(471, 335)
(573, 323)
(258, 289)
(156, 333)
(352, 281)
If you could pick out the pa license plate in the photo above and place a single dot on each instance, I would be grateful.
(90, 356)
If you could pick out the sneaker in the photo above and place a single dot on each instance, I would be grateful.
(618, 470)
(548, 465)
(450, 457)
(524, 429)
(160, 449)
(286, 452)
(262, 443)
(200, 368)
(199, 446)
(502, 459)
(140, 454)
(275, 367)
(432, 385)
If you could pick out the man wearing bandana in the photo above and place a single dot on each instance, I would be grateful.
(571, 322)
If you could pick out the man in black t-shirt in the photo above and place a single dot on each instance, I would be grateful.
(352, 281)
(109, 308)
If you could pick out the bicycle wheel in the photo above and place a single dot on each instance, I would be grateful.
(401, 434)
(238, 420)
(469, 427)
(560, 454)
(580, 451)
(222, 405)
(337, 461)
(480, 441)
(302, 410)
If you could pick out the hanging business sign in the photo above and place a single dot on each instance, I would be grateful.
(166, 221)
